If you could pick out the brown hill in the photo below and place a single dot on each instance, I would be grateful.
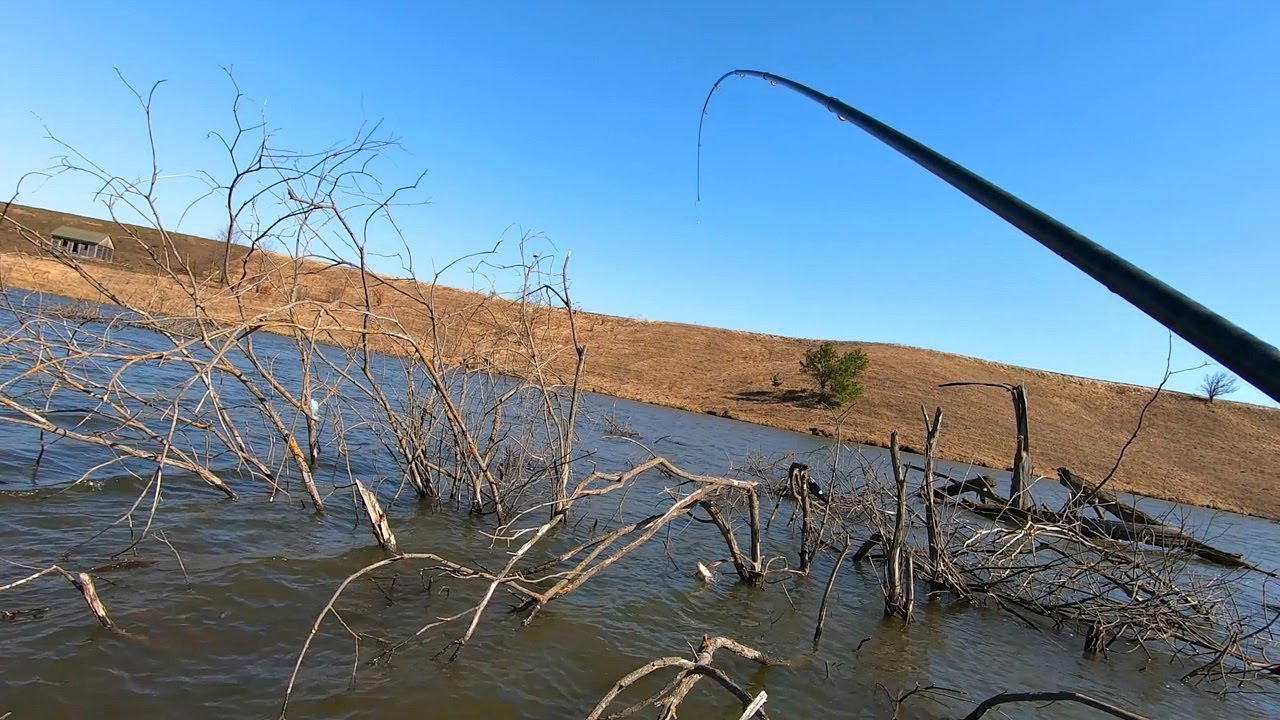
(136, 248)
(1226, 455)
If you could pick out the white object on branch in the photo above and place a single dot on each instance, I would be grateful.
(705, 573)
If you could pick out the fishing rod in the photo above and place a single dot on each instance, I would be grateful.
(1248, 356)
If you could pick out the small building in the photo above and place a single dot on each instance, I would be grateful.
(83, 243)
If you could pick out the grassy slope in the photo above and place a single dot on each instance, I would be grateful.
(1226, 455)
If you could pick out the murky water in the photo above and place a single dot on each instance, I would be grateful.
(212, 627)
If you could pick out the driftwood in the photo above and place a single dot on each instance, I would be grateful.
(82, 582)
(708, 487)
(568, 570)
(1129, 525)
(748, 712)
(1060, 568)
(982, 486)
(377, 519)
(669, 698)
(1156, 535)
(1163, 537)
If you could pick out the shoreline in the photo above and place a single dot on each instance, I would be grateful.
(1224, 456)
(912, 450)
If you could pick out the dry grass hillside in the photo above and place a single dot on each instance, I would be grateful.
(139, 249)
(1226, 455)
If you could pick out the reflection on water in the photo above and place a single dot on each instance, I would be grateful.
(216, 633)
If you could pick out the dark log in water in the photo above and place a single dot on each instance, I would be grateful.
(866, 547)
(1155, 535)
(749, 569)
(984, 486)
(1086, 493)
(1052, 697)
(798, 483)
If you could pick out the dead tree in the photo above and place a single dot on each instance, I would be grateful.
(936, 556)
(1216, 385)
(798, 481)
(539, 583)
(750, 569)
(1124, 579)
(898, 581)
(1020, 480)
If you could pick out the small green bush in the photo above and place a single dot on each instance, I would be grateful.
(838, 376)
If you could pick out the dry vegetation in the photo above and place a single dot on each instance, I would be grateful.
(1224, 456)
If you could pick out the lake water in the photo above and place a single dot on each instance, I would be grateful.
(217, 634)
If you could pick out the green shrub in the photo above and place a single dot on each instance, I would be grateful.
(838, 376)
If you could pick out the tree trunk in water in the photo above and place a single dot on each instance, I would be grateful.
(377, 520)
(799, 479)
(1018, 492)
(936, 570)
(894, 598)
(757, 559)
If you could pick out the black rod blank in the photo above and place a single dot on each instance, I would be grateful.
(1254, 360)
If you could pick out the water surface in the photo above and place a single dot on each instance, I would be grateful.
(216, 633)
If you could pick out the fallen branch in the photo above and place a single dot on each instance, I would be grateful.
(1052, 697)
(455, 569)
(673, 693)
(377, 519)
(82, 582)
(826, 595)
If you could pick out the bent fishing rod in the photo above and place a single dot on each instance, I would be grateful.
(1248, 356)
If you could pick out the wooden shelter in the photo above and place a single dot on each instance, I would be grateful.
(83, 243)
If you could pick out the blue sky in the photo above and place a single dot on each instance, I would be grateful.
(1150, 127)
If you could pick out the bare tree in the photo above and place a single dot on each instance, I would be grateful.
(1216, 385)
(227, 236)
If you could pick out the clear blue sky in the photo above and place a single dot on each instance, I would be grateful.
(1151, 127)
